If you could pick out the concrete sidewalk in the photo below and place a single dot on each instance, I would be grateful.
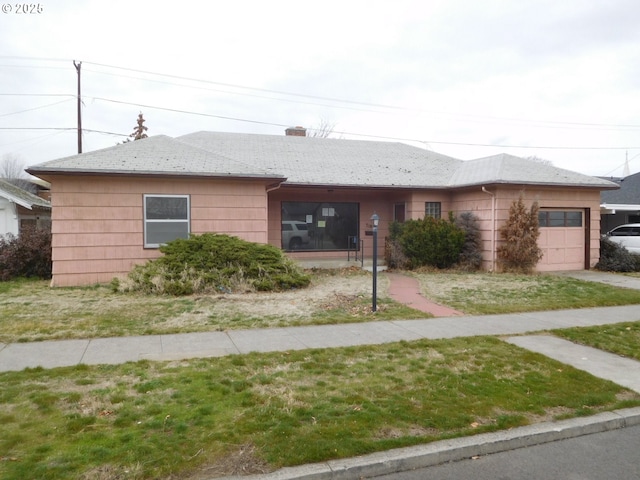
(50, 354)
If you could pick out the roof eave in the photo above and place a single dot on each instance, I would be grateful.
(360, 185)
(537, 184)
(146, 173)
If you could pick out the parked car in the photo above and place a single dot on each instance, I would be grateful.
(627, 236)
(294, 234)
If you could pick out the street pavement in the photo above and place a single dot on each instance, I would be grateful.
(512, 328)
(600, 456)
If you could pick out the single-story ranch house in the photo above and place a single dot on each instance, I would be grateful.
(313, 197)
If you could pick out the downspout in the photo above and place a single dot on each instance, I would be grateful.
(273, 186)
(269, 189)
(493, 228)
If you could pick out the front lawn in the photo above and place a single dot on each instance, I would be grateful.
(31, 310)
(484, 293)
(258, 412)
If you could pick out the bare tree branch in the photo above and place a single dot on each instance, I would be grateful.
(323, 130)
(12, 169)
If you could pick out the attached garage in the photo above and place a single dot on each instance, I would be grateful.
(563, 239)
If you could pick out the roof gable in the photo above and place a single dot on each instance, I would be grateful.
(23, 198)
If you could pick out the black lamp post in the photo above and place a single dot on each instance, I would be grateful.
(375, 220)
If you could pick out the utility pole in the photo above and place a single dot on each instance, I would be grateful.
(626, 172)
(78, 66)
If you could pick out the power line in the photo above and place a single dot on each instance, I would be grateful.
(38, 95)
(35, 108)
(365, 104)
(88, 130)
(359, 134)
(333, 100)
(244, 94)
(352, 104)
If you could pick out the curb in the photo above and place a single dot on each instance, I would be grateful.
(436, 453)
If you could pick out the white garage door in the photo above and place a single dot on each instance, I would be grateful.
(562, 240)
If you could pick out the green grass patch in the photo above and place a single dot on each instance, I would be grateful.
(263, 411)
(620, 338)
(482, 293)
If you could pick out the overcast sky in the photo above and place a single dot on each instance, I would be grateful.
(558, 80)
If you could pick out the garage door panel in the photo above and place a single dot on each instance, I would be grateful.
(563, 248)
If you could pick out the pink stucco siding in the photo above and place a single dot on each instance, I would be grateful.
(98, 221)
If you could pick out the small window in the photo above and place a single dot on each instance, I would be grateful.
(166, 218)
(432, 209)
(556, 219)
(574, 219)
(560, 218)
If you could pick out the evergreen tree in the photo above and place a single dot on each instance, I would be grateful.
(519, 251)
(139, 129)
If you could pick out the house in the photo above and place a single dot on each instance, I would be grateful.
(621, 206)
(113, 208)
(20, 208)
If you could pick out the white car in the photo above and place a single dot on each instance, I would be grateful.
(294, 234)
(627, 236)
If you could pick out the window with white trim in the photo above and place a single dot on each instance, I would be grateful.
(166, 218)
(433, 209)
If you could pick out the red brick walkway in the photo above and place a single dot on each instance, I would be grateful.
(406, 289)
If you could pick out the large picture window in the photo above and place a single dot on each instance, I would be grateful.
(166, 218)
(318, 225)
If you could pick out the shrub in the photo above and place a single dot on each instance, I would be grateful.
(520, 252)
(430, 242)
(215, 263)
(616, 258)
(471, 253)
(394, 256)
(26, 255)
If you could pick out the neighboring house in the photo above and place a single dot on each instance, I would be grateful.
(621, 206)
(112, 208)
(19, 208)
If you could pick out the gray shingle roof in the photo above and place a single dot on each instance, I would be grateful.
(159, 154)
(628, 194)
(327, 161)
(21, 197)
(504, 168)
(311, 161)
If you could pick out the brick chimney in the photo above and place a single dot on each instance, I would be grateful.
(296, 132)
